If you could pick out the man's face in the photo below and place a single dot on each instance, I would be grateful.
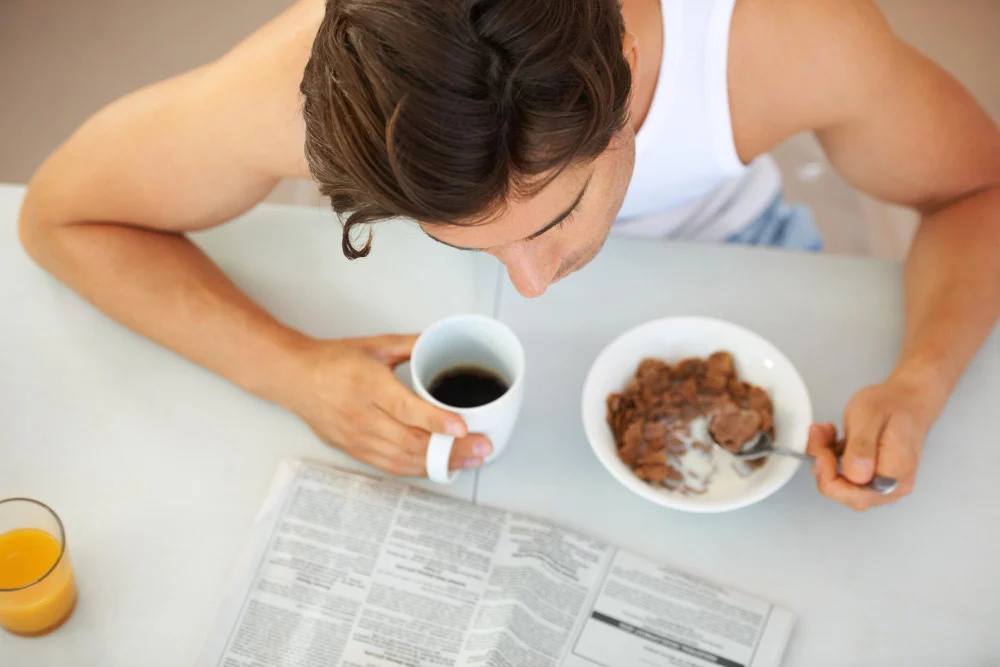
(544, 238)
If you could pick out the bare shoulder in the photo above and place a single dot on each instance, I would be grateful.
(264, 72)
(796, 66)
(212, 141)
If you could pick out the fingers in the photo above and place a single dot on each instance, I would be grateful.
(820, 446)
(391, 350)
(398, 437)
(409, 444)
(829, 482)
(375, 451)
(366, 411)
(388, 456)
(391, 465)
(404, 406)
(470, 452)
(863, 426)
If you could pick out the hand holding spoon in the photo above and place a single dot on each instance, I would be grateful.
(762, 445)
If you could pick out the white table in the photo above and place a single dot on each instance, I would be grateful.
(157, 467)
(913, 584)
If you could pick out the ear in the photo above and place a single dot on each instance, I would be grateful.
(630, 47)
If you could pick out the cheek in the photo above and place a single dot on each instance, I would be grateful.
(616, 182)
(584, 241)
(622, 177)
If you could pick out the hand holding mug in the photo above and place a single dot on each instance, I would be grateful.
(352, 400)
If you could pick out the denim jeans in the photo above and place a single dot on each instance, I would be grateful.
(782, 225)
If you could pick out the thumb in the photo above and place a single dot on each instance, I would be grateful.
(392, 350)
(863, 434)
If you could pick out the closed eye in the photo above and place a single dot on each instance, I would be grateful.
(558, 224)
(562, 219)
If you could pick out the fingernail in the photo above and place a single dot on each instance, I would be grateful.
(813, 431)
(454, 429)
(472, 464)
(863, 466)
(482, 449)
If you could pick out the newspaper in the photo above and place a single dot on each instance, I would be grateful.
(355, 571)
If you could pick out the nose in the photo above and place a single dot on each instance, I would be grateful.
(530, 274)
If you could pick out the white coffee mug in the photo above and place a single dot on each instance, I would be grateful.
(469, 341)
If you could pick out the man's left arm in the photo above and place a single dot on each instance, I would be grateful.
(900, 128)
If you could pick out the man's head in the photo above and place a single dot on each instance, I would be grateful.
(499, 125)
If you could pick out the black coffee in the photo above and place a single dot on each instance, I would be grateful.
(467, 387)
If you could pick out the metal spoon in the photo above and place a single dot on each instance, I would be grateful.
(763, 445)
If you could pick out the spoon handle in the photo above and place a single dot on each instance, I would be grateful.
(798, 455)
(879, 484)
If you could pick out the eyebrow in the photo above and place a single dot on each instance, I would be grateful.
(559, 218)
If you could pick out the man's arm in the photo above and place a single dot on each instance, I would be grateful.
(106, 211)
(898, 127)
(106, 214)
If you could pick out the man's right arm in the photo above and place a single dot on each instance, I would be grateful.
(107, 213)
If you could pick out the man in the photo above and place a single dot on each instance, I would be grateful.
(510, 126)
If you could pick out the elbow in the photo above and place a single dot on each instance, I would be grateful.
(37, 224)
(30, 231)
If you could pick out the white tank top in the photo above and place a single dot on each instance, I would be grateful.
(689, 182)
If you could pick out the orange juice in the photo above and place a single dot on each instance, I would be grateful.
(37, 591)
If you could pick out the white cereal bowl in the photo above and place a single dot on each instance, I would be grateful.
(672, 339)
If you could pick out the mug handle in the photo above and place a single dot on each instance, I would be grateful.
(438, 455)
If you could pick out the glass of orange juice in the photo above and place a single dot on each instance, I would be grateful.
(37, 590)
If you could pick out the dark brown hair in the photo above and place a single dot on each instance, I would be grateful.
(439, 110)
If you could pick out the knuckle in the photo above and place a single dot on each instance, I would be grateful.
(860, 402)
(356, 419)
(340, 441)
(435, 423)
(397, 404)
(354, 443)
(814, 447)
(339, 438)
(402, 468)
(353, 375)
(415, 441)
(426, 417)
